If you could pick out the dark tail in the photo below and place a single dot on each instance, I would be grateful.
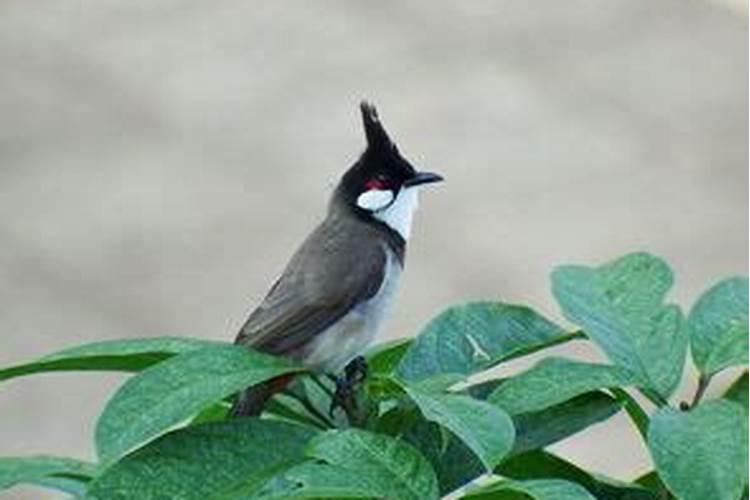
(251, 401)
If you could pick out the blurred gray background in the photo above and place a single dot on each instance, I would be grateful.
(160, 161)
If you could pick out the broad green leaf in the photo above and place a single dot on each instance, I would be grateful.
(113, 355)
(485, 428)
(653, 482)
(453, 462)
(306, 401)
(470, 338)
(542, 428)
(456, 465)
(482, 390)
(384, 358)
(536, 489)
(167, 394)
(555, 380)
(738, 392)
(290, 408)
(312, 480)
(437, 383)
(701, 453)
(215, 460)
(73, 486)
(620, 307)
(55, 472)
(719, 326)
(540, 464)
(389, 465)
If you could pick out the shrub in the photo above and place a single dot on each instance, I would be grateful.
(425, 426)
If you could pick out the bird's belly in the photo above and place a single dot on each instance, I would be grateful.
(336, 346)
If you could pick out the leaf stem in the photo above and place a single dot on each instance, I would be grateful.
(653, 396)
(703, 382)
(636, 412)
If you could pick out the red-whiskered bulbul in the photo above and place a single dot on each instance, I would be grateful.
(335, 292)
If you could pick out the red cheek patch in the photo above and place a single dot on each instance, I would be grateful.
(375, 184)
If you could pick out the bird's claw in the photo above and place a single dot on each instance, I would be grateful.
(356, 371)
(346, 387)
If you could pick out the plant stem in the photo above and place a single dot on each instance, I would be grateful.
(637, 414)
(703, 382)
(653, 396)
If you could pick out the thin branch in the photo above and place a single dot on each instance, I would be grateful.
(703, 382)
(653, 396)
(637, 414)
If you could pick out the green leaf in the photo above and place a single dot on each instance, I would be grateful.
(540, 464)
(653, 482)
(719, 326)
(73, 486)
(391, 466)
(215, 460)
(165, 395)
(384, 358)
(542, 428)
(620, 306)
(555, 380)
(290, 408)
(456, 465)
(482, 390)
(701, 453)
(453, 462)
(737, 392)
(470, 338)
(537, 489)
(213, 413)
(307, 399)
(115, 355)
(54, 472)
(312, 480)
(485, 428)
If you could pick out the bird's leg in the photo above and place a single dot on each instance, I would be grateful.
(356, 371)
(346, 389)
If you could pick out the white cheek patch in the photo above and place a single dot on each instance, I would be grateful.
(375, 199)
(400, 213)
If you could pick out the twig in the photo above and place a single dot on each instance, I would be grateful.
(653, 396)
(633, 409)
(703, 382)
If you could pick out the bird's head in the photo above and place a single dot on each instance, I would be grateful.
(382, 184)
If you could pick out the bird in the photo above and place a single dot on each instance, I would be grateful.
(338, 287)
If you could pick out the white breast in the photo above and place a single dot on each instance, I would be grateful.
(399, 214)
(351, 335)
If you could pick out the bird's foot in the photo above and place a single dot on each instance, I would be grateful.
(347, 386)
(355, 371)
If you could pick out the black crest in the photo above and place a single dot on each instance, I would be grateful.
(377, 137)
(380, 159)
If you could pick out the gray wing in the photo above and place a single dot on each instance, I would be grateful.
(329, 274)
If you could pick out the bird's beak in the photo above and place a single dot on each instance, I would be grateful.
(422, 178)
